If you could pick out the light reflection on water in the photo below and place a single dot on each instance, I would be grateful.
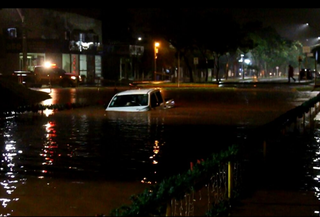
(9, 177)
(89, 144)
(313, 169)
(68, 143)
(85, 145)
(314, 172)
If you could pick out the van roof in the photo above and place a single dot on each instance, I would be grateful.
(137, 91)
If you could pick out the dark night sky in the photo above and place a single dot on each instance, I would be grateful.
(287, 21)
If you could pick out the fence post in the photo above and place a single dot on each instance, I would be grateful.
(168, 210)
(230, 178)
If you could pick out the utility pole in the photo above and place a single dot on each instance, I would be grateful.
(178, 75)
(24, 42)
(242, 56)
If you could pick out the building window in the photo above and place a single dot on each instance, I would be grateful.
(12, 32)
(97, 66)
(83, 65)
(66, 62)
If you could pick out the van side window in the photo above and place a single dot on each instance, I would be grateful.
(159, 96)
(154, 100)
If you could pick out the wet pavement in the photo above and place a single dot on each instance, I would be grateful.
(285, 182)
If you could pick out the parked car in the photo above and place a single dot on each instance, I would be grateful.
(139, 100)
(47, 75)
(53, 75)
(307, 74)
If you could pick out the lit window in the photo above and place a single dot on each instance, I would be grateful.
(12, 32)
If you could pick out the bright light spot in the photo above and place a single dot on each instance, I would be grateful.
(48, 64)
(48, 112)
(4, 201)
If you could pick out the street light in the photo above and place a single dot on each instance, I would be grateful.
(156, 45)
(242, 60)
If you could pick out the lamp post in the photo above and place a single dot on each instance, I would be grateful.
(24, 42)
(242, 57)
(156, 49)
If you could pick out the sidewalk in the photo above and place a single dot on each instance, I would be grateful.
(274, 80)
(277, 203)
(230, 81)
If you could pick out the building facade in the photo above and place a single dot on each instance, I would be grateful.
(33, 36)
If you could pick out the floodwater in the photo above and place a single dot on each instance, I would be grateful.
(313, 156)
(86, 161)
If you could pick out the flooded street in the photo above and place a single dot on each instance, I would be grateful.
(75, 162)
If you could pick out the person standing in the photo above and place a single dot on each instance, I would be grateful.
(290, 74)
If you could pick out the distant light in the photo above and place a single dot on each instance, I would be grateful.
(139, 38)
(47, 64)
(247, 61)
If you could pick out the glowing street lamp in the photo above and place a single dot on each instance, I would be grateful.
(156, 45)
(242, 60)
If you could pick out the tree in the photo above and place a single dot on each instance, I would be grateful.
(210, 33)
(271, 50)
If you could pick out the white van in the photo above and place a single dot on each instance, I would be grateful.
(139, 100)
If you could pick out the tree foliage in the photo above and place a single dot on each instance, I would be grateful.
(211, 34)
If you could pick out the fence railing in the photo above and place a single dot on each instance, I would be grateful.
(209, 183)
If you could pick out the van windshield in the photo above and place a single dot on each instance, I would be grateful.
(129, 100)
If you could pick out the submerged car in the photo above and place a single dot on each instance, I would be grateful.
(138, 100)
